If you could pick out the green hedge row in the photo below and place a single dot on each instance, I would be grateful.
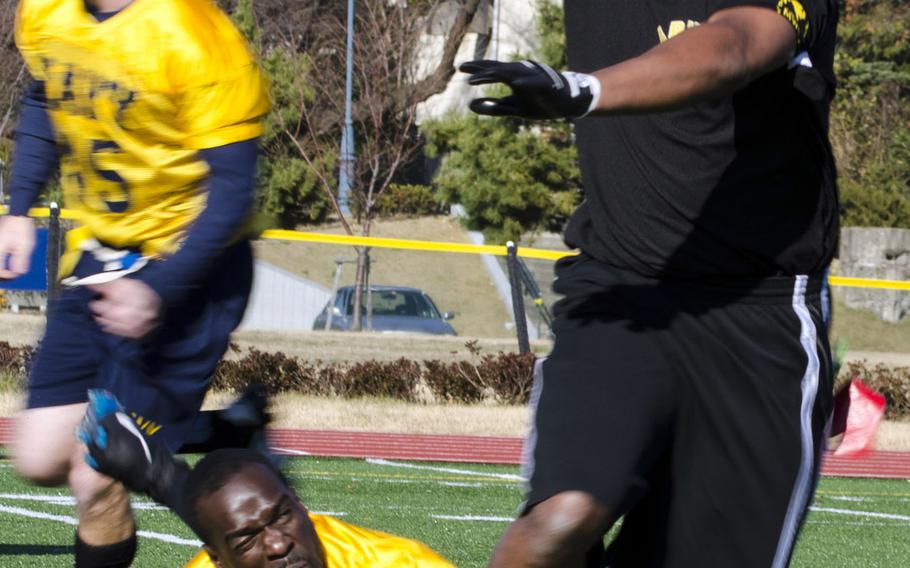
(504, 377)
(892, 382)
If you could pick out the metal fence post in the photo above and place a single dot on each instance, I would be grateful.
(518, 306)
(53, 254)
(533, 290)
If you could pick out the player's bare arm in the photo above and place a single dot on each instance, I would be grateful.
(731, 49)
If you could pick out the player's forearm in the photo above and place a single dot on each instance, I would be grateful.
(703, 63)
(35, 157)
(231, 193)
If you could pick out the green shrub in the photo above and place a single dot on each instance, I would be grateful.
(504, 377)
(14, 365)
(453, 382)
(411, 200)
(386, 379)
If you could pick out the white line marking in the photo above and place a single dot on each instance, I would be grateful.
(53, 499)
(329, 513)
(170, 538)
(460, 484)
(291, 452)
(861, 513)
(473, 518)
(849, 498)
(68, 500)
(66, 519)
(853, 524)
(508, 476)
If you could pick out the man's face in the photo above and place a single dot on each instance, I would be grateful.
(256, 521)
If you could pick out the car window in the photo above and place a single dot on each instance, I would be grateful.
(397, 303)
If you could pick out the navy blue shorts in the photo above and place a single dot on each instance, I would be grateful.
(161, 380)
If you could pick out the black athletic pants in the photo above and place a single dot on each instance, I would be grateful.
(695, 411)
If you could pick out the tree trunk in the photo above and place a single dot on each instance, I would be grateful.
(359, 277)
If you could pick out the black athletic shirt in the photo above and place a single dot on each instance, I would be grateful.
(740, 187)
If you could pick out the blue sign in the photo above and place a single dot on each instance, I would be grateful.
(36, 277)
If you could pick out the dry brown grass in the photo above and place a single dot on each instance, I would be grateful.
(11, 403)
(456, 282)
(382, 415)
(350, 347)
(893, 436)
(373, 415)
(21, 329)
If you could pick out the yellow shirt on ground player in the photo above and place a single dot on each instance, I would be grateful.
(349, 546)
(131, 100)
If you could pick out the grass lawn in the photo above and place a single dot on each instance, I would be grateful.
(458, 509)
(456, 282)
(863, 331)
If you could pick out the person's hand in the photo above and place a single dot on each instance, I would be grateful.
(119, 450)
(538, 91)
(17, 241)
(126, 307)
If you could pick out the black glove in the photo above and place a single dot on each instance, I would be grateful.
(537, 90)
(118, 449)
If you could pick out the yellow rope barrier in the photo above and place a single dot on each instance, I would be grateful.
(868, 283)
(407, 244)
(465, 248)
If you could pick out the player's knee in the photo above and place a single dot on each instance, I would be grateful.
(571, 520)
(96, 494)
(40, 468)
(43, 444)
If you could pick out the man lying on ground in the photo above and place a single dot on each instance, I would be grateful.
(238, 503)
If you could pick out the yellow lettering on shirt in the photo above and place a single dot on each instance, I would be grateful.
(675, 28)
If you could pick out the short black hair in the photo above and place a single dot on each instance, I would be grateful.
(212, 473)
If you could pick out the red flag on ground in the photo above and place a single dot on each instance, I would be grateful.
(858, 410)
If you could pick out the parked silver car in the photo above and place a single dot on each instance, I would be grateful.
(395, 309)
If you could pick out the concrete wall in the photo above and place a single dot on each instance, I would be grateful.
(283, 301)
(876, 253)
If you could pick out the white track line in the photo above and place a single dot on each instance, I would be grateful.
(52, 499)
(853, 524)
(861, 513)
(68, 500)
(291, 452)
(508, 476)
(66, 519)
(473, 518)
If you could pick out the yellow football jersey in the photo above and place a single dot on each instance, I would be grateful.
(132, 99)
(349, 546)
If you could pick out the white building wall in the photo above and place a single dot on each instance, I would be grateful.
(283, 301)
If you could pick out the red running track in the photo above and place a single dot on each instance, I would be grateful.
(492, 449)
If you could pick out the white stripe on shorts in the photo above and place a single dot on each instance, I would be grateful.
(804, 479)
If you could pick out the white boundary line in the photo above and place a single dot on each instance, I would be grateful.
(508, 476)
(290, 452)
(66, 519)
(69, 500)
(473, 518)
(871, 514)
